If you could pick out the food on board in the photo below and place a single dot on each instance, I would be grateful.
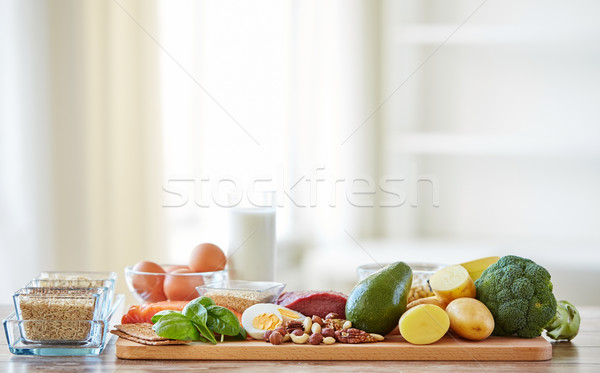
(200, 320)
(143, 313)
(260, 318)
(318, 303)
(424, 324)
(144, 334)
(452, 282)
(477, 266)
(470, 319)
(519, 294)
(429, 300)
(376, 303)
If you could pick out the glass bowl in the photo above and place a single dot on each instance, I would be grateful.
(73, 284)
(157, 287)
(76, 275)
(238, 295)
(55, 314)
(422, 271)
(90, 343)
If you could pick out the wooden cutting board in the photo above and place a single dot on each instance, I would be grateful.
(393, 348)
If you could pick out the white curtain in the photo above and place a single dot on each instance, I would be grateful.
(81, 151)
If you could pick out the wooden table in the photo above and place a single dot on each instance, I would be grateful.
(581, 355)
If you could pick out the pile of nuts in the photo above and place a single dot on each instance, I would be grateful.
(315, 331)
(419, 291)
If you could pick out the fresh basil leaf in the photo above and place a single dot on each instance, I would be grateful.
(160, 314)
(205, 301)
(206, 333)
(176, 326)
(243, 333)
(241, 336)
(195, 311)
(222, 321)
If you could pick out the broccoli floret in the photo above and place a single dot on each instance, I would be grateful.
(518, 293)
(565, 324)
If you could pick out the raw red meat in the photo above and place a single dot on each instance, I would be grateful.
(312, 302)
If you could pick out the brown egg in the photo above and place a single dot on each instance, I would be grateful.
(148, 286)
(182, 287)
(173, 267)
(207, 257)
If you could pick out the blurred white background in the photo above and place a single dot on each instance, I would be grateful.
(392, 130)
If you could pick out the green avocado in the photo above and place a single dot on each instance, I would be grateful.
(377, 302)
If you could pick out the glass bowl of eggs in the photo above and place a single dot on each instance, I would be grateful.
(150, 282)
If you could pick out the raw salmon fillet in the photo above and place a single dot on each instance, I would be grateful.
(143, 312)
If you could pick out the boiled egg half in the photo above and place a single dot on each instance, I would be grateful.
(259, 318)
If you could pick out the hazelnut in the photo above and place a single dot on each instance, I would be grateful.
(276, 338)
(317, 320)
(332, 315)
(328, 332)
(298, 332)
(281, 330)
(267, 335)
(315, 339)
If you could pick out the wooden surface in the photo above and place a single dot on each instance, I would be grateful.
(393, 348)
(580, 355)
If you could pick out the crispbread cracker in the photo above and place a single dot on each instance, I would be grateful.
(162, 342)
(141, 331)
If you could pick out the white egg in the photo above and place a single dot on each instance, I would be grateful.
(261, 317)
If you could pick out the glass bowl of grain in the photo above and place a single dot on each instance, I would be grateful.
(238, 295)
(59, 314)
(78, 280)
(421, 273)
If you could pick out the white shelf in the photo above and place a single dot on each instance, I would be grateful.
(470, 144)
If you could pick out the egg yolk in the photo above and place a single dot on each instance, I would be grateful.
(287, 313)
(266, 321)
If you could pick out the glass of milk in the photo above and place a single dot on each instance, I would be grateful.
(252, 248)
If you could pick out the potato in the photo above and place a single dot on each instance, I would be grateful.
(427, 300)
(424, 324)
(452, 282)
(470, 319)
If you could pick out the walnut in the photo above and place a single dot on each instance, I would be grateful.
(293, 325)
(335, 324)
(353, 335)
